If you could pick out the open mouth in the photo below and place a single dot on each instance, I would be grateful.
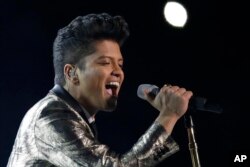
(112, 88)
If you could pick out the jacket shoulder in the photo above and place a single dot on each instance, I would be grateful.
(53, 107)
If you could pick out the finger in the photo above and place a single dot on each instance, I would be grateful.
(181, 91)
(147, 96)
(174, 88)
(187, 94)
(169, 88)
(169, 85)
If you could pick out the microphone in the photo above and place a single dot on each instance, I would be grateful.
(195, 103)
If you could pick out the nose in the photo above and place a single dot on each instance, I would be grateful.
(117, 71)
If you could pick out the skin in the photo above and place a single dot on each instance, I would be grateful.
(88, 86)
(172, 102)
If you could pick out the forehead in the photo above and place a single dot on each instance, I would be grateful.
(105, 49)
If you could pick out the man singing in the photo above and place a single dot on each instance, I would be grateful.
(59, 130)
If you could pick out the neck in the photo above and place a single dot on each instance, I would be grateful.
(91, 110)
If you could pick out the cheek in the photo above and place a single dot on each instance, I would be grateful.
(94, 77)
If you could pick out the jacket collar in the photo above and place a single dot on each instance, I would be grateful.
(63, 94)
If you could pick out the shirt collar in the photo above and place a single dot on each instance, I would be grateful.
(91, 119)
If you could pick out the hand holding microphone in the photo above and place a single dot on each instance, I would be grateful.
(196, 103)
(171, 101)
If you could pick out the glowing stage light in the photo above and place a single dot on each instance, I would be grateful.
(175, 14)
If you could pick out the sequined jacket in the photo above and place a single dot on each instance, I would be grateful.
(55, 132)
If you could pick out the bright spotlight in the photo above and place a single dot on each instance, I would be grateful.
(175, 14)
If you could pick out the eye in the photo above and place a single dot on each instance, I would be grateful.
(121, 66)
(105, 62)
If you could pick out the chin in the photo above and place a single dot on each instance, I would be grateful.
(111, 104)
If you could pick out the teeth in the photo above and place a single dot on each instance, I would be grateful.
(117, 84)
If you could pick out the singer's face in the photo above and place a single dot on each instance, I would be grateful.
(102, 76)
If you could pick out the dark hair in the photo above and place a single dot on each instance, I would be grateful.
(76, 40)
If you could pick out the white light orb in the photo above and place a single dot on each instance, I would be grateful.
(175, 14)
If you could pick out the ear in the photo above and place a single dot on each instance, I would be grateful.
(70, 73)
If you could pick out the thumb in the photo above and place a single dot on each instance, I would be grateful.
(148, 96)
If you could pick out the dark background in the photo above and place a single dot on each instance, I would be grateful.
(207, 56)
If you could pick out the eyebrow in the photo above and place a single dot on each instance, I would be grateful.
(103, 57)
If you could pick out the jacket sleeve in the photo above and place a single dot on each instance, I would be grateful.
(64, 139)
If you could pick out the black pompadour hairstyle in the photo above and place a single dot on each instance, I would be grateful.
(76, 40)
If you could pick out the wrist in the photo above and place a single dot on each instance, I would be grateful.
(168, 122)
